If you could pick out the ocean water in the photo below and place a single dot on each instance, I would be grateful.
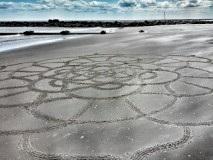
(19, 41)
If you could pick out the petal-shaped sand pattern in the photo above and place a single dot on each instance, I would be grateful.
(12, 83)
(187, 89)
(60, 110)
(93, 93)
(92, 142)
(20, 121)
(152, 103)
(197, 112)
(19, 99)
(109, 111)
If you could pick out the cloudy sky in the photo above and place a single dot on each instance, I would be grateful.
(104, 9)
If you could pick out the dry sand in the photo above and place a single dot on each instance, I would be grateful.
(126, 95)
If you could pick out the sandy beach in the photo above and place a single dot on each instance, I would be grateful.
(124, 95)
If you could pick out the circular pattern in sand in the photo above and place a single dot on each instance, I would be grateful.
(144, 85)
(105, 88)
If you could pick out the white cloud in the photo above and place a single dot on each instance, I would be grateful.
(188, 3)
(79, 5)
(98, 5)
(195, 3)
(166, 4)
(23, 6)
(136, 3)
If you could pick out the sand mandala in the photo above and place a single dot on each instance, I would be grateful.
(67, 91)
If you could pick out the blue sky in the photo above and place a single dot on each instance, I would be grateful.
(104, 9)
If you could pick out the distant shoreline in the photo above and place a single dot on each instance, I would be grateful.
(47, 33)
(121, 23)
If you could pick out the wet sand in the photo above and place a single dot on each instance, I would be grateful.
(126, 95)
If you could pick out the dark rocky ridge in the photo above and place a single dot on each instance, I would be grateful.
(57, 23)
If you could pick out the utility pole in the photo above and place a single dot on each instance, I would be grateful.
(164, 15)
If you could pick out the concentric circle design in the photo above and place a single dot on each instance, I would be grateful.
(65, 91)
(101, 77)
